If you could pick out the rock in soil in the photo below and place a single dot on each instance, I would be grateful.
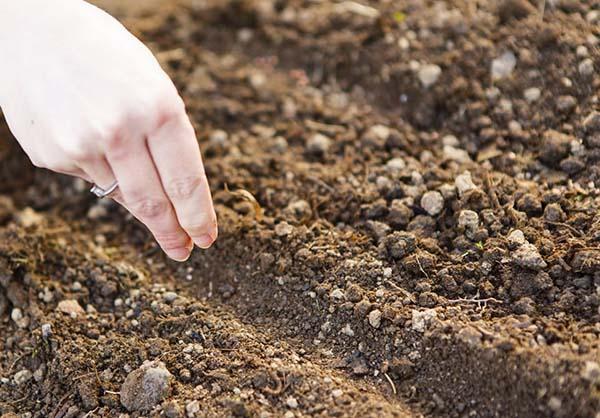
(432, 202)
(146, 387)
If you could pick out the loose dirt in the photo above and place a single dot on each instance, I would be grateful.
(409, 211)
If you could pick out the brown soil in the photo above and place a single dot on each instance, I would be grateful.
(335, 292)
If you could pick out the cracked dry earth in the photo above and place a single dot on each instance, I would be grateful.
(408, 200)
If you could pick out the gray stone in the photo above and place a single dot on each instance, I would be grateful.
(337, 294)
(432, 202)
(516, 238)
(22, 377)
(318, 144)
(70, 307)
(591, 123)
(395, 165)
(591, 372)
(146, 387)
(219, 137)
(456, 154)
(468, 220)
(169, 297)
(192, 408)
(464, 183)
(532, 94)
(421, 320)
(379, 230)
(375, 318)
(504, 65)
(429, 74)
(554, 213)
(586, 67)
(46, 331)
(528, 256)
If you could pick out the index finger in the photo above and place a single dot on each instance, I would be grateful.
(177, 158)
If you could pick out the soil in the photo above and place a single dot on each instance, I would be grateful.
(406, 228)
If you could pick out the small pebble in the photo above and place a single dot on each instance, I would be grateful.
(586, 67)
(22, 377)
(464, 183)
(403, 43)
(395, 165)
(532, 94)
(456, 154)
(504, 65)
(517, 238)
(47, 296)
(291, 402)
(347, 330)
(566, 104)
(375, 318)
(169, 297)
(146, 387)
(591, 123)
(432, 202)
(582, 51)
(422, 319)
(70, 307)
(468, 220)
(591, 372)
(97, 211)
(450, 140)
(192, 408)
(554, 403)
(336, 393)
(46, 331)
(28, 218)
(318, 144)
(283, 229)
(528, 256)
(218, 137)
(379, 229)
(337, 294)
(429, 74)
(380, 132)
(16, 314)
(21, 320)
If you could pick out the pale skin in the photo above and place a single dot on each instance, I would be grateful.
(84, 97)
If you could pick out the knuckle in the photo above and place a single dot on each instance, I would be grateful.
(148, 208)
(204, 223)
(171, 240)
(184, 187)
(114, 142)
(171, 108)
(80, 153)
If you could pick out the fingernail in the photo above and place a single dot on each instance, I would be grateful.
(204, 242)
(180, 254)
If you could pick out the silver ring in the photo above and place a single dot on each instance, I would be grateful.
(101, 193)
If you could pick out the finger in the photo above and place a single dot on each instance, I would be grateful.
(98, 172)
(143, 194)
(176, 154)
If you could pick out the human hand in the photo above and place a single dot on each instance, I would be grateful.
(84, 97)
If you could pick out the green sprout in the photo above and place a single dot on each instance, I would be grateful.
(399, 17)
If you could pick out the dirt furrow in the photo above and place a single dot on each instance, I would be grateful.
(132, 316)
